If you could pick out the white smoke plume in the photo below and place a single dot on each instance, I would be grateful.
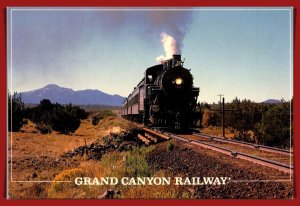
(170, 47)
(172, 24)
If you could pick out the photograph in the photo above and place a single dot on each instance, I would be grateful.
(177, 103)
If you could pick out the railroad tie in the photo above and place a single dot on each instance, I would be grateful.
(144, 139)
(150, 137)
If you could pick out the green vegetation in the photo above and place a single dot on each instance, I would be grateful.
(97, 108)
(136, 164)
(48, 117)
(115, 164)
(129, 164)
(66, 175)
(275, 128)
(269, 124)
(261, 123)
(43, 128)
(101, 115)
(16, 112)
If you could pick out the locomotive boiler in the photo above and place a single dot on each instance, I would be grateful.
(165, 97)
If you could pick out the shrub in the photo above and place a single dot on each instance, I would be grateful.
(101, 115)
(95, 120)
(64, 119)
(42, 113)
(15, 112)
(136, 164)
(43, 128)
(58, 186)
(275, 128)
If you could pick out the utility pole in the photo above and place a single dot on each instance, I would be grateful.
(223, 116)
(220, 95)
(222, 110)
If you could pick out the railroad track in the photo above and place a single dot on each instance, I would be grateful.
(266, 156)
(246, 144)
(226, 147)
(151, 136)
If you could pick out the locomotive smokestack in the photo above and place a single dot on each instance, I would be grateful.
(176, 61)
(176, 57)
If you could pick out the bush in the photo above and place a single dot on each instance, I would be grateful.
(95, 120)
(43, 128)
(261, 123)
(64, 119)
(15, 112)
(275, 128)
(42, 113)
(58, 186)
(101, 115)
(136, 164)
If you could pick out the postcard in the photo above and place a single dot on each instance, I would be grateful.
(150, 103)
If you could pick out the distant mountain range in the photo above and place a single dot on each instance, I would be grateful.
(62, 95)
(272, 101)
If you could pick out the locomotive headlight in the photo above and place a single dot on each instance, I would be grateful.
(178, 81)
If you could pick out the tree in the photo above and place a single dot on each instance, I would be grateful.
(64, 119)
(15, 112)
(43, 112)
(276, 125)
(246, 115)
(266, 124)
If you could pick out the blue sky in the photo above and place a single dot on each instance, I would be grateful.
(244, 53)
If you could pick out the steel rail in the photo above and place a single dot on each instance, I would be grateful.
(246, 144)
(258, 160)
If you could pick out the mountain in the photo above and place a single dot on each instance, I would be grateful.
(272, 101)
(66, 95)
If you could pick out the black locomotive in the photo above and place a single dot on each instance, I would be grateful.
(165, 97)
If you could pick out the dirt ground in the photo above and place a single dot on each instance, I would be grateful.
(248, 180)
(40, 157)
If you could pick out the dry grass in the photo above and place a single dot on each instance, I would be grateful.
(114, 164)
(38, 157)
(171, 191)
(58, 188)
(29, 143)
(229, 132)
(217, 131)
(34, 155)
(117, 164)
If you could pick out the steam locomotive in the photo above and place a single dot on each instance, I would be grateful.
(165, 97)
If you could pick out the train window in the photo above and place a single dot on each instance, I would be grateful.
(150, 78)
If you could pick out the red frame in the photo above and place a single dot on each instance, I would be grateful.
(139, 3)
